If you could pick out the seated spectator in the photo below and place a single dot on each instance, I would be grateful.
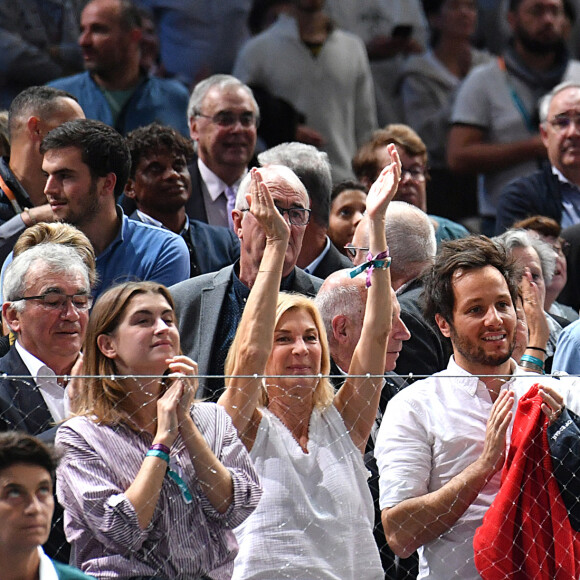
(428, 87)
(347, 206)
(33, 113)
(98, 161)
(160, 185)
(134, 438)
(210, 307)
(4, 135)
(114, 88)
(372, 157)
(318, 256)
(554, 190)
(306, 440)
(27, 471)
(540, 259)
(549, 230)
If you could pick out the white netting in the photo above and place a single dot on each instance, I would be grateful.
(528, 533)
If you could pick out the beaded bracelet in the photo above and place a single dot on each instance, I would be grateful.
(157, 453)
(381, 261)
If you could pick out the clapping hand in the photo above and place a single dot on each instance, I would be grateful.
(385, 187)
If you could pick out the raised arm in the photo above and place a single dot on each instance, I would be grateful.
(358, 398)
(256, 329)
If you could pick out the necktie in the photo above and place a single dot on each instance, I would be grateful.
(230, 194)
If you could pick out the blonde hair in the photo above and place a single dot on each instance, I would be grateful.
(101, 396)
(59, 233)
(324, 392)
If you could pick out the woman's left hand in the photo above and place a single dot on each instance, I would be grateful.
(385, 187)
(184, 370)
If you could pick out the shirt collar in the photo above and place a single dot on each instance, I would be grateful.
(215, 185)
(147, 219)
(46, 570)
(312, 266)
(35, 366)
(471, 383)
(562, 178)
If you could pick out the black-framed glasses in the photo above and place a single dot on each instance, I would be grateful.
(297, 216)
(562, 246)
(563, 122)
(58, 300)
(229, 119)
(415, 173)
(352, 250)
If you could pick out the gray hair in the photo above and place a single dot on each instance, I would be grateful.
(522, 239)
(411, 238)
(546, 100)
(270, 173)
(59, 258)
(221, 82)
(345, 299)
(313, 169)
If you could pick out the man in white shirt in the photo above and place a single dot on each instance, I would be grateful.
(223, 120)
(47, 300)
(442, 441)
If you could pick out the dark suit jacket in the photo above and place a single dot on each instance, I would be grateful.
(195, 207)
(22, 407)
(570, 294)
(332, 261)
(214, 247)
(198, 302)
(534, 194)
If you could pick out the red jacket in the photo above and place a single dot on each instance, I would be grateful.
(526, 533)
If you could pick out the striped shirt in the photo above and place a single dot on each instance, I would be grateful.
(183, 540)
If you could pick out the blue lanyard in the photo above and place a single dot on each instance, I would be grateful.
(516, 98)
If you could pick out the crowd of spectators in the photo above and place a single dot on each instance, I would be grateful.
(234, 235)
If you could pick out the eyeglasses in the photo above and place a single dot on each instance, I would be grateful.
(563, 122)
(229, 119)
(561, 246)
(297, 216)
(58, 300)
(415, 173)
(352, 250)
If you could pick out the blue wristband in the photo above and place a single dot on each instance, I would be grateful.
(157, 453)
(532, 359)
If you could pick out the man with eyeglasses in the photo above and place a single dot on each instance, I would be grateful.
(209, 307)
(494, 130)
(114, 89)
(47, 297)
(318, 256)
(554, 190)
(372, 156)
(223, 121)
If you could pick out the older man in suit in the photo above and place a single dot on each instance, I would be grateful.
(47, 299)
(223, 120)
(210, 307)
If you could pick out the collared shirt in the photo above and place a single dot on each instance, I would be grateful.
(55, 396)
(432, 430)
(214, 198)
(185, 539)
(147, 219)
(142, 252)
(570, 199)
(312, 266)
(46, 569)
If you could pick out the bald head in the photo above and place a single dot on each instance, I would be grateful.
(411, 239)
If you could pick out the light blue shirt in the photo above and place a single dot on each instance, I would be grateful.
(567, 355)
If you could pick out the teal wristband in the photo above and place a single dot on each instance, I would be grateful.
(157, 453)
(532, 359)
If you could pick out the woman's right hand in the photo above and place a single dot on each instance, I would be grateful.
(167, 414)
(538, 329)
(263, 209)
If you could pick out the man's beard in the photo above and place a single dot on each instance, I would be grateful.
(536, 46)
(476, 354)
